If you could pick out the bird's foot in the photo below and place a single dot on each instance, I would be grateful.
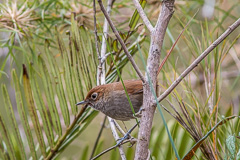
(139, 113)
(127, 136)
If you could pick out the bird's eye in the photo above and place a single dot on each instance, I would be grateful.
(94, 96)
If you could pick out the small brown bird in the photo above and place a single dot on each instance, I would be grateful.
(111, 99)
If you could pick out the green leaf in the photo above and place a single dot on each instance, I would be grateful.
(23, 115)
(115, 45)
(79, 129)
(122, 61)
(135, 17)
(67, 74)
(6, 137)
(13, 122)
(193, 150)
(85, 153)
(59, 85)
(230, 143)
(3, 150)
(77, 80)
(2, 72)
(99, 148)
(48, 87)
(82, 45)
(41, 107)
(32, 111)
(238, 155)
(122, 35)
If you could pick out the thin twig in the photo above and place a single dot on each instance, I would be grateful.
(150, 87)
(102, 75)
(111, 148)
(96, 41)
(116, 137)
(119, 128)
(199, 59)
(104, 43)
(143, 15)
(99, 135)
(63, 138)
(103, 59)
(121, 42)
(170, 51)
(95, 28)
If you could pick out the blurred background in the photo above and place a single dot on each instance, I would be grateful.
(34, 33)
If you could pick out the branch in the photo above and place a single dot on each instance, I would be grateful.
(111, 148)
(157, 37)
(121, 42)
(143, 15)
(102, 74)
(104, 43)
(96, 42)
(54, 150)
(199, 59)
(119, 128)
(171, 49)
(98, 137)
(116, 137)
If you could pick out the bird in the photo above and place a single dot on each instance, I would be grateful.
(111, 99)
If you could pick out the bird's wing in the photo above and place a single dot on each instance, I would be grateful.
(134, 88)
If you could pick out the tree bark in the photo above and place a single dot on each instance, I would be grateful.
(157, 36)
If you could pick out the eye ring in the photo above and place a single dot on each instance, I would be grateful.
(94, 96)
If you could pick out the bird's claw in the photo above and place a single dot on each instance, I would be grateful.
(139, 113)
(120, 140)
(132, 141)
(127, 135)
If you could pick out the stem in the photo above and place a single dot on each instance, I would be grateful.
(111, 148)
(121, 42)
(143, 15)
(102, 74)
(54, 150)
(157, 36)
(99, 135)
(96, 41)
(199, 59)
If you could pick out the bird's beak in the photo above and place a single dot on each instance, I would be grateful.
(82, 102)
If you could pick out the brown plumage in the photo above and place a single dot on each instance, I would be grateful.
(111, 99)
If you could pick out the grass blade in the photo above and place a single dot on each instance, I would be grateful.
(59, 85)
(32, 111)
(67, 74)
(23, 115)
(6, 137)
(41, 108)
(193, 150)
(50, 96)
(13, 123)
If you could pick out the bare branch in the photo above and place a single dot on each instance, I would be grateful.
(119, 128)
(96, 42)
(143, 15)
(98, 137)
(171, 49)
(116, 137)
(157, 37)
(199, 59)
(63, 137)
(95, 28)
(102, 75)
(111, 148)
(104, 42)
(121, 42)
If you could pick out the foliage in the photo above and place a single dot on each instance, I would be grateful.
(40, 120)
